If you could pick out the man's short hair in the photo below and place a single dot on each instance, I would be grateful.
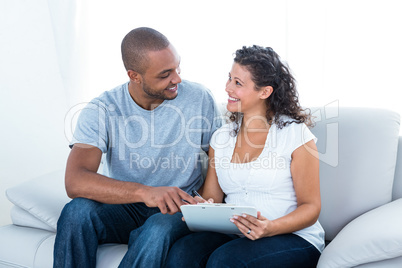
(137, 43)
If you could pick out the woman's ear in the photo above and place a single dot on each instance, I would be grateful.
(134, 76)
(265, 92)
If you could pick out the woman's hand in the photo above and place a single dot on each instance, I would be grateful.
(253, 227)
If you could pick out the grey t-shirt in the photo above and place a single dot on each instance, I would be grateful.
(161, 147)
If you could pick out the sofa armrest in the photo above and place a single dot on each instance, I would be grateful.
(373, 236)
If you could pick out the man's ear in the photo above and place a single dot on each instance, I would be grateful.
(134, 76)
(265, 92)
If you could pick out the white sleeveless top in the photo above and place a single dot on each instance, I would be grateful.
(265, 183)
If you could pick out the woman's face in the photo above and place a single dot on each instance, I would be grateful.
(243, 97)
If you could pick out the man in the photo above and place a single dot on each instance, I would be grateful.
(151, 130)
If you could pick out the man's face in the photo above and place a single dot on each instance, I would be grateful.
(162, 76)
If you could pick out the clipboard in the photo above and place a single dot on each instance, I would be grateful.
(214, 217)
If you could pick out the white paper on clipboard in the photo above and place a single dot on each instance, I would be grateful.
(214, 217)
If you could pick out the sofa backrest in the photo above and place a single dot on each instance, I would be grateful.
(397, 189)
(358, 152)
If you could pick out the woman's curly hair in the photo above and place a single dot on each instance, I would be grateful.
(267, 69)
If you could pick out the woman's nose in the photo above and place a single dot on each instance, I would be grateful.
(227, 88)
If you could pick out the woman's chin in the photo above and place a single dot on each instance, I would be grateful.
(233, 107)
(230, 109)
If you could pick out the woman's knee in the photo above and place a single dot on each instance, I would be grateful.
(221, 258)
(185, 253)
(194, 250)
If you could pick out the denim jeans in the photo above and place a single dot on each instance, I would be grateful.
(84, 224)
(209, 249)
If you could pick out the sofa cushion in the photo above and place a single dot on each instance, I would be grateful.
(19, 246)
(388, 263)
(21, 217)
(374, 236)
(29, 247)
(43, 198)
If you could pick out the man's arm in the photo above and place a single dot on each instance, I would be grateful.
(82, 180)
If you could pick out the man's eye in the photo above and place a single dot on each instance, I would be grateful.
(166, 76)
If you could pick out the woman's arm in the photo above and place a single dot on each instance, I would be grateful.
(306, 181)
(211, 188)
(305, 173)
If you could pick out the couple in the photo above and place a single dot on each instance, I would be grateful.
(151, 130)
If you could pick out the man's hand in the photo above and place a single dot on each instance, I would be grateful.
(167, 199)
(202, 200)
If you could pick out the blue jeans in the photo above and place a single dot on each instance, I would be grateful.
(209, 249)
(84, 224)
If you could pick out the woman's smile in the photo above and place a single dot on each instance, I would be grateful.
(232, 100)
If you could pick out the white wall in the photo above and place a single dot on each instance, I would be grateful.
(205, 33)
(33, 97)
(348, 51)
(57, 54)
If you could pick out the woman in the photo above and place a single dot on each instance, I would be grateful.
(265, 157)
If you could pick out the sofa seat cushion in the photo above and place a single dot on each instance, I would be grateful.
(30, 247)
(19, 247)
(43, 198)
(373, 236)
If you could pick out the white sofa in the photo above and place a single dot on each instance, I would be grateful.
(361, 189)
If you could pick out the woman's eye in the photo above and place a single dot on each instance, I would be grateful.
(237, 83)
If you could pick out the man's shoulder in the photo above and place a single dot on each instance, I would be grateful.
(114, 93)
(110, 97)
(194, 89)
(193, 85)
